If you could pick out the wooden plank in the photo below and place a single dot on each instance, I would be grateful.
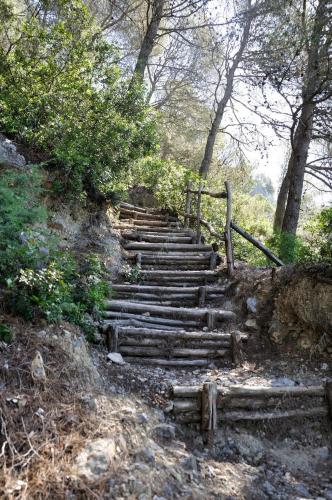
(209, 411)
(253, 391)
(228, 234)
(174, 312)
(167, 247)
(328, 393)
(237, 354)
(188, 204)
(179, 363)
(181, 334)
(257, 244)
(233, 416)
(169, 351)
(209, 193)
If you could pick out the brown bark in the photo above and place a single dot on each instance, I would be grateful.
(303, 134)
(282, 201)
(297, 169)
(208, 153)
(157, 10)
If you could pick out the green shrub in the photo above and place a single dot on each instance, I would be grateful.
(5, 333)
(61, 91)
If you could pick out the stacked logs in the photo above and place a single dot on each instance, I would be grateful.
(172, 347)
(240, 402)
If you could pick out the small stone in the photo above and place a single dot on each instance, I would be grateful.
(89, 401)
(277, 331)
(164, 431)
(302, 490)
(251, 324)
(145, 455)
(142, 418)
(323, 453)
(190, 463)
(268, 488)
(251, 305)
(115, 357)
(324, 367)
(37, 368)
(283, 381)
(328, 494)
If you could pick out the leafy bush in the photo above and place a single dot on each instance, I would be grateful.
(132, 273)
(62, 92)
(62, 290)
(5, 333)
(20, 209)
(166, 179)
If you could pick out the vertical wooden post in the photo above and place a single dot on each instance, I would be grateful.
(188, 205)
(211, 320)
(228, 234)
(237, 355)
(213, 260)
(328, 392)
(209, 412)
(138, 259)
(115, 338)
(198, 217)
(201, 296)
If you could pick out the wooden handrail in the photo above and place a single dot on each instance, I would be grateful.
(257, 244)
(230, 225)
(223, 194)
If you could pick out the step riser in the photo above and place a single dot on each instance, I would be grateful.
(168, 247)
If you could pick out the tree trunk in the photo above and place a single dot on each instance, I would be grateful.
(148, 42)
(303, 134)
(208, 153)
(282, 198)
(300, 154)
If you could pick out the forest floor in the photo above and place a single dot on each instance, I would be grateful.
(93, 429)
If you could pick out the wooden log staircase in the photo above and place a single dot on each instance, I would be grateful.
(169, 318)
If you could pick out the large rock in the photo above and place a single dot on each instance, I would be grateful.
(9, 157)
(277, 331)
(96, 459)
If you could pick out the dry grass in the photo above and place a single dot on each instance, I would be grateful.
(42, 425)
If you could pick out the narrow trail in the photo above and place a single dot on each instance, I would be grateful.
(168, 318)
(171, 318)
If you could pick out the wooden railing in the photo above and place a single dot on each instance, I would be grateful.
(229, 225)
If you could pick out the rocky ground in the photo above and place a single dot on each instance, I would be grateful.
(93, 429)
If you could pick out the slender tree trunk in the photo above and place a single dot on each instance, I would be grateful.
(157, 7)
(282, 198)
(303, 134)
(300, 153)
(208, 153)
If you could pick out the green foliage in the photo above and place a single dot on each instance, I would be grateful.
(61, 91)
(132, 273)
(5, 333)
(166, 179)
(61, 290)
(20, 209)
(40, 280)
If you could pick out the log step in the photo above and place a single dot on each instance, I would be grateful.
(153, 229)
(133, 214)
(167, 247)
(201, 315)
(179, 363)
(178, 334)
(151, 238)
(148, 223)
(129, 206)
(167, 289)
